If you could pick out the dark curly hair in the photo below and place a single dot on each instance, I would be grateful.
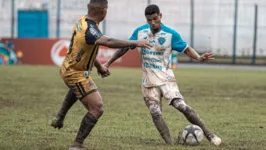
(152, 9)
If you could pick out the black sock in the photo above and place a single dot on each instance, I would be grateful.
(193, 118)
(88, 122)
(162, 128)
(69, 100)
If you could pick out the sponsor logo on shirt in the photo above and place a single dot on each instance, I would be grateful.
(152, 59)
(148, 52)
(152, 66)
(94, 32)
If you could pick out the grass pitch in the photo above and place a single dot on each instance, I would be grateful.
(231, 102)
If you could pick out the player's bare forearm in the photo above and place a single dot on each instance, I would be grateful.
(119, 53)
(190, 52)
(97, 64)
(114, 43)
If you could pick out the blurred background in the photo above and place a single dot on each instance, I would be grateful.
(235, 30)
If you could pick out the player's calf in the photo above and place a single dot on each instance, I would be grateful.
(93, 102)
(159, 122)
(69, 100)
(87, 124)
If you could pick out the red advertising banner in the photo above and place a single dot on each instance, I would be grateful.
(52, 52)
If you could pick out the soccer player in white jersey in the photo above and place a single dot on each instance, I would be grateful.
(158, 78)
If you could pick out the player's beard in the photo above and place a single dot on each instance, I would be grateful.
(156, 29)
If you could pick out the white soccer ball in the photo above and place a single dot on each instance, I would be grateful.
(191, 135)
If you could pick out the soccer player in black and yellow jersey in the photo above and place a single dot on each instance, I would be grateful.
(77, 65)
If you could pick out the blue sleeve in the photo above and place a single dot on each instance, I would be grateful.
(134, 36)
(177, 43)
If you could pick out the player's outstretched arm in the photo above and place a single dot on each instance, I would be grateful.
(190, 52)
(115, 43)
(119, 53)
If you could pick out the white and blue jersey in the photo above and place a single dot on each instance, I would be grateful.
(156, 62)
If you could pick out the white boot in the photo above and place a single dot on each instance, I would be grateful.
(214, 139)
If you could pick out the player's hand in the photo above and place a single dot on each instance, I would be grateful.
(206, 57)
(143, 43)
(103, 71)
(106, 65)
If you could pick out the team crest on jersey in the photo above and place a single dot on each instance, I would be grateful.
(161, 40)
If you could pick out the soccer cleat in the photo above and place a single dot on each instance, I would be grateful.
(76, 146)
(214, 139)
(57, 123)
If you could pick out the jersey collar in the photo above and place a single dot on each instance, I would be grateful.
(162, 25)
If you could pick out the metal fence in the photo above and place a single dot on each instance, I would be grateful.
(229, 28)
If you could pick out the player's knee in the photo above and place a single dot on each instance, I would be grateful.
(155, 110)
(99, 108)
(180, 105)
(96, 109)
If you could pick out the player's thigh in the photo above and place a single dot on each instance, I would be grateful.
(71, 95)
(86, 91)
(94, 104)
(93, 101)
(171, 91)
(151, 95)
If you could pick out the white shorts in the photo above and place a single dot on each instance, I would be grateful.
(169, 91)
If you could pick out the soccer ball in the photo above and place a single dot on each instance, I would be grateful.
(191, 135)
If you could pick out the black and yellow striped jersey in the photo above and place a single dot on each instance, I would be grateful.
(82, 51)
